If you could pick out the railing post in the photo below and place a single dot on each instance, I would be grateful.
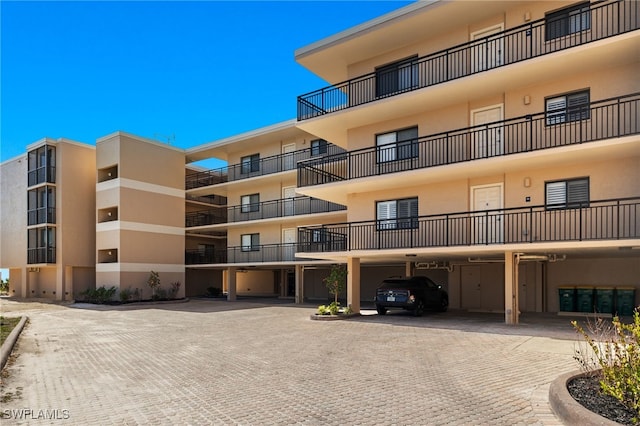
(486, 227)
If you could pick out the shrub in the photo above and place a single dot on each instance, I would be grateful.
(214, 291)
(333, 309)
(100, 295)
(125, 295)
(616, 350)
(175, 288)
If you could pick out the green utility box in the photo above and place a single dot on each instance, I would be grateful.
(604, 300)
(625, 300)
(567, 299)
(584, 299)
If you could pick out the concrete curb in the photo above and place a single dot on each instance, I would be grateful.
(7, 346)
(567, 409)
(316, 317)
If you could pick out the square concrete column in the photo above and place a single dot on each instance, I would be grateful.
(299, 297)
(511, 313)
(25, 287)
(231, 283)
(353, 283)
(409, 269)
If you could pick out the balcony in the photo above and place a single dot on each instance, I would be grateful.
(205, 217)
(615, 219)
(208, 199)
(605, 119)
(281, 208)
(257, 254)
(605, 19)
(264, 166)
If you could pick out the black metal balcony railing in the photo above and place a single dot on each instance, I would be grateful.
(265, 166)
(208, 199)
(257, 254)
(41, 215)
(45, 174)
(206, 217)
(615, 219)
(41, 255)
(610, 118)
(606, 19)
(264, 210)
(281, 208)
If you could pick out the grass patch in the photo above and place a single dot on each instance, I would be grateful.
(6, 326)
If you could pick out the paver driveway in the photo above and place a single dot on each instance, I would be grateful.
(218, 362)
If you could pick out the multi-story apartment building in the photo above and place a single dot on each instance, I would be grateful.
(259, 215)
(44, 246)
(493, 146)
(497, 141)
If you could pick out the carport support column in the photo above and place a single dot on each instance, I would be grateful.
(231, 283)
(511, 313)
(353, 283)
(409, 269)
(299, 284)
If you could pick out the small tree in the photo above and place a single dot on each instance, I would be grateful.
(154, 282)
(336, 281)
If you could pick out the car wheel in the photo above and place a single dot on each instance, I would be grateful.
(419, 309)
(381, 310)
(444, 304)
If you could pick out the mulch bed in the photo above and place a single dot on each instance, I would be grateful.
(586, 390)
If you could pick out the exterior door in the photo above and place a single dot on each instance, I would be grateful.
(288, 202)
(488, 52)
(288, 241)
(288, 158)
(487, 140)
(487, 221)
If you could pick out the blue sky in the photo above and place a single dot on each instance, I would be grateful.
(183, 72)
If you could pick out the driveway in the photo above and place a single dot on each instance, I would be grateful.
(254, 363)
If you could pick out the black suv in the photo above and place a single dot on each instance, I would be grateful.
(413, 294)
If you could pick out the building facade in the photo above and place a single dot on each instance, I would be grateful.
(495, 140)
(492, 146)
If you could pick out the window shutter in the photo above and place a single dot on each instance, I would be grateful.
(578, 192)
(556, 108)
(556, 194)
(386, 214)
(386, 147)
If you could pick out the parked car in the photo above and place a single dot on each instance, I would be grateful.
(412, 293)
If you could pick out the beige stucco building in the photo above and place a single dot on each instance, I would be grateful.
(492, 146)
(497, 141)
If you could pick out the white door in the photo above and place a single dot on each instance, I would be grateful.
(487, 226)
(487, 53)
(288, 241)
(288, 160)
(288, 202)
(487, 140)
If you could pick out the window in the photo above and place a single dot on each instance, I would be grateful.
(42, 165)
(250, 163)
(41, 246)
(567, 21)
(250, 242)
(397, 77)
(397, 214)
(398, 145)
(250, 203)
(318, 147)
(572, 193)
(41, 203)
(318, 235)
(569, 107)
